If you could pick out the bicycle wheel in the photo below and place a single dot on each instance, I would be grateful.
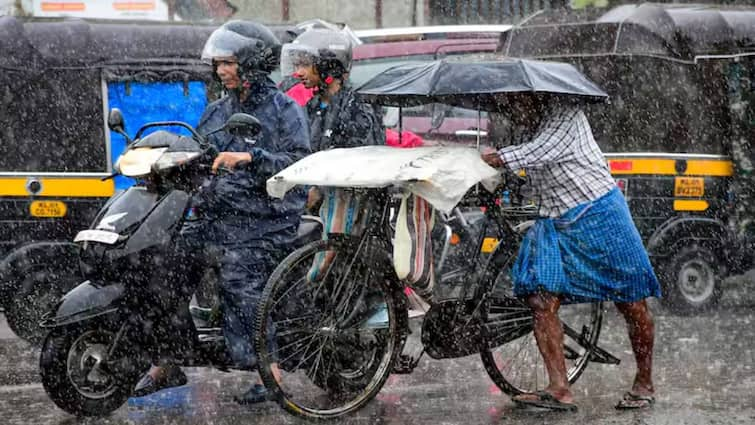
(510, 353)
(336, 336)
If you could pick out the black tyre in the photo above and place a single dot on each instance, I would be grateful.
(691, 281)
(335, 337)
(38, 290)
(510, 353)
(72, 366)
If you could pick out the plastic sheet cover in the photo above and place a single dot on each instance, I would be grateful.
(441, 175)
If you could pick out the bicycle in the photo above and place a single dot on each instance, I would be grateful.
(339, 336)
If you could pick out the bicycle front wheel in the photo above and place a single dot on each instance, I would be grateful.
(331, 320)
(510, 353)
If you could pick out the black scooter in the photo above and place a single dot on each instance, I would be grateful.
(99, 339)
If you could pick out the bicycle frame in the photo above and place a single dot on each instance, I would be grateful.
(452, 327)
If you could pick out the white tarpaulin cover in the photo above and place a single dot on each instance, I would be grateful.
(441, 175)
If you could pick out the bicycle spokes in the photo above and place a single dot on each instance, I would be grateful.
(332, 336)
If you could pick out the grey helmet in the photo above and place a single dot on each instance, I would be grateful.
(254, 46)
(329, 51)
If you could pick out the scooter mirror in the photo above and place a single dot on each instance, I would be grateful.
(115, 121)
(241, 124)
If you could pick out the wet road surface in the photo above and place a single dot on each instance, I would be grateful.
(704, 372)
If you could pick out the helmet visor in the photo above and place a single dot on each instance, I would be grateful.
(295, 55)
(224, 44)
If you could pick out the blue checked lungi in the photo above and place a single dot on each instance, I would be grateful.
(593, 252)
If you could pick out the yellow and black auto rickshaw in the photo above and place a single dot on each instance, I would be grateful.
(58, 79)
(679, 132)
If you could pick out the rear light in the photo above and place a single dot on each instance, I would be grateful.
(622, 185)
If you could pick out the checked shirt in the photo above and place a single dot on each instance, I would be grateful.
(564, 164)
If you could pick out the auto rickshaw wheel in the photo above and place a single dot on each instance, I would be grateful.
(38, 291)
(691, 281)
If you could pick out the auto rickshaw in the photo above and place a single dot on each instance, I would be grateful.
(58, 78)
(679, 132)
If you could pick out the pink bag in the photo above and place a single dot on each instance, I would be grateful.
(408, 139)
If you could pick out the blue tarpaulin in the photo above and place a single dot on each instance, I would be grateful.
(147, 102)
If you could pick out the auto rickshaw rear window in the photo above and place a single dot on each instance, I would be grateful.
(658, 105)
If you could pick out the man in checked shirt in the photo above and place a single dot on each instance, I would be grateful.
(584, 246)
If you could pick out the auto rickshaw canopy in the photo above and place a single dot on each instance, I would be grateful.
(679, 31)
(664, 66)
(40, 45)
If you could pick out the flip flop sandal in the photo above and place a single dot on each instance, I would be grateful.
(631, 401)
(546, 400)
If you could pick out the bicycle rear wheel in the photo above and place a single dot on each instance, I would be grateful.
(336, 335)
(510, 353)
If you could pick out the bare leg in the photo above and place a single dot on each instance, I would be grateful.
(276, 373)
(156, 372)
(549, 334)
(641, 334)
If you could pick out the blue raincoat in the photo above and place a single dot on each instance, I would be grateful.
(251, 230)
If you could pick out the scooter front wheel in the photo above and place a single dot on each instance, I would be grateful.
(74, 373)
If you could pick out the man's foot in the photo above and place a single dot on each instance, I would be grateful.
(257, 394)
(631, 400)
(167, 377)
(544, 400)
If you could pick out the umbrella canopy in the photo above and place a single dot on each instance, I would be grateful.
(477, 85)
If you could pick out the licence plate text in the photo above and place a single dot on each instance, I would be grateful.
(689, 187)
(47, 209)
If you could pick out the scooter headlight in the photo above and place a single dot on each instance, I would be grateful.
(137, 162)
(174, 159)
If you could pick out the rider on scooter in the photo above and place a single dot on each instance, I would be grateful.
(248, 231)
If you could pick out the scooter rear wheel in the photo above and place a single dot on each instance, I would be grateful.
(335, 336)
(71, 366)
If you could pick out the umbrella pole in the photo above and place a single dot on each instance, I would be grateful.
(400, 124)
(479, 123)
(479, 128)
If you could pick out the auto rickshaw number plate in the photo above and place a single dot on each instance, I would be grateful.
(48, 209)
(690, 187)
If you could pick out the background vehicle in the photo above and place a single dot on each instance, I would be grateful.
(432, 32)
(58, 78)
(668, 134)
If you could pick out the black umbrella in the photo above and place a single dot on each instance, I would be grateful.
(478, 85)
